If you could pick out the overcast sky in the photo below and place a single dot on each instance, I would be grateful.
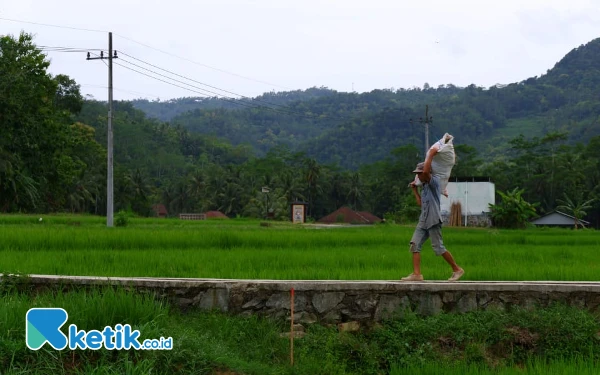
(249, 47)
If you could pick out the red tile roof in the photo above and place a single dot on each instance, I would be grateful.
(215, 215)
(346, 215)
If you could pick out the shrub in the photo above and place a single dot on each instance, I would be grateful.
(121, 219)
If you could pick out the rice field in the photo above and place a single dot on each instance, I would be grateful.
(577, 366)
(567, 340)
(243, 249)
(563, 341)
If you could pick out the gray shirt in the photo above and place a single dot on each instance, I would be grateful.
(430, 204)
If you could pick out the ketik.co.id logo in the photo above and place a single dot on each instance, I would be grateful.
(43, 326)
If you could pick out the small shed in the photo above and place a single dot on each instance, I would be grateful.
(298, 212)
(558, 219)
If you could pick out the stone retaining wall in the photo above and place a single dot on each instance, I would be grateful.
(484, 220)
(337, 301)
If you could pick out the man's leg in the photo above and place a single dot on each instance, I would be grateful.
(416, 263)
(418, 238)
(417, 241)
(438, 247)
(448, 258)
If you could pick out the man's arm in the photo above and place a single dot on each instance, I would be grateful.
(416, 192)
(427, 168)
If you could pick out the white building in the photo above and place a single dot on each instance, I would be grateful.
(474, 194)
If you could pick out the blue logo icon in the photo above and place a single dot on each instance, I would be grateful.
(42, 325)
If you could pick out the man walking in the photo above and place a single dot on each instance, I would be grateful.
(430, 223)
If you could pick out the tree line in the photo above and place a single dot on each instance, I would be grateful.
(53, 158)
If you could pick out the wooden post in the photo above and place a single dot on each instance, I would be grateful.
(292, 327)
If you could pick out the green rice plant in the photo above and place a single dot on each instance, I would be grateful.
(285, 251)
(209, 342)
(93, 309)
(573, 366)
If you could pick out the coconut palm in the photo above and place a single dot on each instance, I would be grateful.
(197, 188)
(576, 208)
(291, 186)
(312, 174)
(357, 191)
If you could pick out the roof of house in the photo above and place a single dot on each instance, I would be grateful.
(160, 209)
(215, 214)
(369, 216)
(346, 215)
(557, 218)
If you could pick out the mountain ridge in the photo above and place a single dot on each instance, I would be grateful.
(358, 126)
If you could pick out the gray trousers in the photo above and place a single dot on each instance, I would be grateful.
(421, 235)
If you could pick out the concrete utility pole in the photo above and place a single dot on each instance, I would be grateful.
(109, 147)
(428, 119)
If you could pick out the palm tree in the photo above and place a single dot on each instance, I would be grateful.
(313, 171)
(168, 195)
(291, 186)
(79, 194)
(180, 202)
(7, 178)
(577, 208)
(197, 188)
(15, 187)
(356, 192)
(141, 192)
(268, 180)
(26, 188)
(229, 198)
(338, 190)
(123, 191)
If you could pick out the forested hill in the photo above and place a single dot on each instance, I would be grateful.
(578, 71)
(53, 155)
(354, 129)
(166, 110)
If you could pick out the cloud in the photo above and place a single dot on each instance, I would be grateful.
(551, 26)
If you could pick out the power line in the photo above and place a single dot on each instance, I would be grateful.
(50, 25)
(235, 101)
(201, 83)
(67, 49)
(249, 103)
(75, 49)
(162, 75)
(118, 89)
(225, 98)
(147, 46)
(204, 65)
(162, 80)
(283, 109)
(185, 88)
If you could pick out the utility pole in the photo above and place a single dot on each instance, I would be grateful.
(428, 119)
(109, 147)
(266, 190)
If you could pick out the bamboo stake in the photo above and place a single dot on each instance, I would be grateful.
(292, 328)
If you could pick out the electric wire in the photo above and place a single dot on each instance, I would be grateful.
(144, 45)
(242, 101)
(204, 84)
(51, 25)
(201, 64)
(249, 101)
